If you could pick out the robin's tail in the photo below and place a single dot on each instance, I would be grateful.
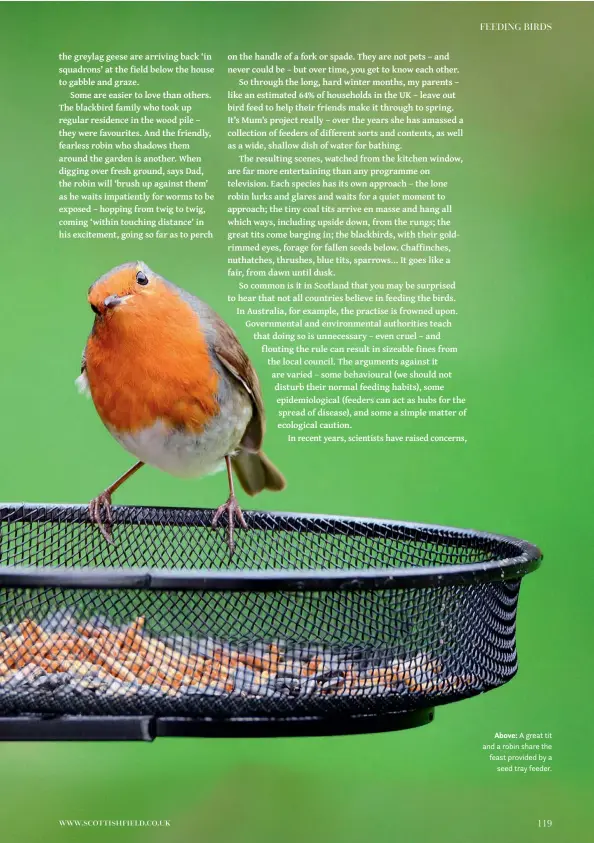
(255, 472)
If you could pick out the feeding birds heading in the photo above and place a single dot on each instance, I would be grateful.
(172, 384)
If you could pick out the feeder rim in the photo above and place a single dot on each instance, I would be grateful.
(527, 559)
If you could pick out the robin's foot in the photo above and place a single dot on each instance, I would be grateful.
(102, 503)
(231, 507)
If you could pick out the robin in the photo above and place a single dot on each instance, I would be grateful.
(172, 384)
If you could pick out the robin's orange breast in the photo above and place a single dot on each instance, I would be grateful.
(149, 360)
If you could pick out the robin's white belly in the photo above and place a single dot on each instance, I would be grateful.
(188, 454)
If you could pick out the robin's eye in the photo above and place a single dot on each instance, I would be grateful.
(95, 310)
(141, 279)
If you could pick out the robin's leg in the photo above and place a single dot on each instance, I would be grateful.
(103, 502)
(231, 507)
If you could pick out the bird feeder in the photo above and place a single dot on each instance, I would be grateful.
(317, 625)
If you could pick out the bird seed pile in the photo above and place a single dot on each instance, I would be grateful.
(95, 657)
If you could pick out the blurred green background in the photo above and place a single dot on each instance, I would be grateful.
(524, 209)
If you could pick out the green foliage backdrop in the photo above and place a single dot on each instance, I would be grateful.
(524, 207)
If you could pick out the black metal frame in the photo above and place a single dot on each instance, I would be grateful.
(73, 728)
(509, 560)
(528, 558)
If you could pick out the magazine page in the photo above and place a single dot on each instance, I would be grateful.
(296, 352)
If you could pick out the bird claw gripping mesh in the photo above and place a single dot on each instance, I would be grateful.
(314, 617)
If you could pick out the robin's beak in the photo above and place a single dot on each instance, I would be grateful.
(113, 301)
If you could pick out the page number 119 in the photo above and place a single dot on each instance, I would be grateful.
(545, 823)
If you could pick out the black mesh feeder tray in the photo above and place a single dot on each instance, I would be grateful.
(317, 625)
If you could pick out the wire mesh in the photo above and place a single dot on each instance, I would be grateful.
(231, 644)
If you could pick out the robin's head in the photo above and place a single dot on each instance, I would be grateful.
(127, 286)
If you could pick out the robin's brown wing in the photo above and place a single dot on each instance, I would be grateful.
(227, 349)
